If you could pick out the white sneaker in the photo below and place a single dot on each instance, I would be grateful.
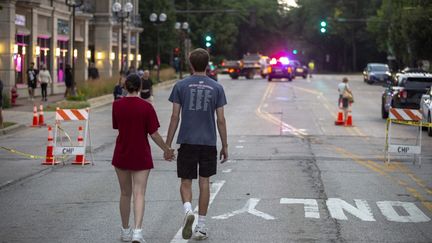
(137, 236)
(187, 225)
(126, 234)
(200, 233)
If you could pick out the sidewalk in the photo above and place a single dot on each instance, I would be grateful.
(22, 112)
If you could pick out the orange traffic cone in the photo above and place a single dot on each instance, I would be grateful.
(41, 116)
(80, 158)
(49, 158)
(349, 122)
(35, 117)
(339, 120)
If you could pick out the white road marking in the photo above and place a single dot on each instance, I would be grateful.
(231, 161)
(227, 171)
(239, 146)
(241, 141)
(415, 215)
(214, 190)
(337, 206)
(310, 206)
(249, 207)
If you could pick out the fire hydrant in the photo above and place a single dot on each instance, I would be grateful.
(14, 95)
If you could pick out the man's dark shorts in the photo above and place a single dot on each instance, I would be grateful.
(190, 156)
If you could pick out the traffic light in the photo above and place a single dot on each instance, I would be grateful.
(295, 51)
(208, 41)
(323, 25)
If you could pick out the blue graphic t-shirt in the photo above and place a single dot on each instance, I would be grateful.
(199, 97)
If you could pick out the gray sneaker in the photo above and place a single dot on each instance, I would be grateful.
(126, 234)
(137, 236)
(187, 225)
(200, 233)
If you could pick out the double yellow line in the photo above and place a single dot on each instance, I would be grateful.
(380, 168)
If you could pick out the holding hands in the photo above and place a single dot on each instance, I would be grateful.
(169, 154)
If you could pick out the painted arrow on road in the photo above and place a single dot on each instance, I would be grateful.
(248, 208)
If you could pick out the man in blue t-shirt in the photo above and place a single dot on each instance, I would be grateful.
(196, 99)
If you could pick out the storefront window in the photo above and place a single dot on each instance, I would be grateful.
(62, 55)
(20, 57)
(43, 52)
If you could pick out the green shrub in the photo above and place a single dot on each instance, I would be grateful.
(94, 88)
(6, 101)
(66, 104)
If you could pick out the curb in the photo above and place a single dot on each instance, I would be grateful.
(11, 129)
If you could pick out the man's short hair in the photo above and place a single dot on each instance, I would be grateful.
(199, 59)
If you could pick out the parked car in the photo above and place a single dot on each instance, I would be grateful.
(426, 109)
(405, 91)
(212, 71)
(376, 72)
(413, 70)
(299, 69)
(280, 68)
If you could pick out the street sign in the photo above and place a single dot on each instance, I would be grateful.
(69, 150)
(404, 149)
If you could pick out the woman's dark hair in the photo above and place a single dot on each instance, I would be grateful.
(199, 59)
(133, 83)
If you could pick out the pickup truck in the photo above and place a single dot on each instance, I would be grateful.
(405, 91)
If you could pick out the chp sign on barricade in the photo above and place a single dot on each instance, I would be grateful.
(73, 115)
(409, 117)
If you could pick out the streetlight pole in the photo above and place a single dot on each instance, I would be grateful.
(158, 20)
(182, 28)
(122, 13)
(73, 4)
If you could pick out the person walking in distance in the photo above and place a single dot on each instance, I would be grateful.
(311, 66)
(147, 86)
(134, 119)
(196, 99)
(31, 81)
(344, 94)
(44, 78)
(68, 81)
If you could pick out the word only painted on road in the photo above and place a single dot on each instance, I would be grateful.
(394, 211)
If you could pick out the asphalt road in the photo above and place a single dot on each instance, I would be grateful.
(293, 176)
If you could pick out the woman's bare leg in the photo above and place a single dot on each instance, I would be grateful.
(125, 181)
(139, 179)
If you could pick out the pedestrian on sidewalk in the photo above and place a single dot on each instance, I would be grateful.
(119, 90)
(93, 72)
(1, 104)
(147, 86)
(196, 99)
(31, 80)
(68, 81)
(44, 79)
(134, 119)
(345, 97)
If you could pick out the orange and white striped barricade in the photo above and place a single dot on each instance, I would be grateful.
(409, 117)
(72, 115)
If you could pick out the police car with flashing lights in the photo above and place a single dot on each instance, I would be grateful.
(280, 68)
(405, 91)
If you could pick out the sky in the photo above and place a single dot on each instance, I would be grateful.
(289, 2)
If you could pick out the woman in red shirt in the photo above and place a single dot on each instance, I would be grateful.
(134, 118)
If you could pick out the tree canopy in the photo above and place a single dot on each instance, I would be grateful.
(357, 31)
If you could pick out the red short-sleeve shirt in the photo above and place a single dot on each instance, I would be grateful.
(134, 118)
